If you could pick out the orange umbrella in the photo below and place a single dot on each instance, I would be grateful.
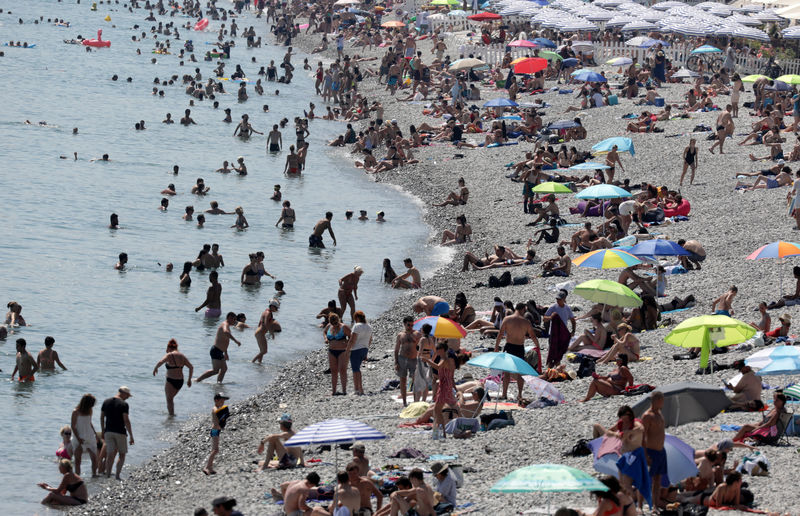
(531, 65)
(392, 24)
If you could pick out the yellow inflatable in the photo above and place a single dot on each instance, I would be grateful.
(107, 18)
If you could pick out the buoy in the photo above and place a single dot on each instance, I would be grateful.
(107, 18)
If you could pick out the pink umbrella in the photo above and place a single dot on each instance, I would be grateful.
(523, 43)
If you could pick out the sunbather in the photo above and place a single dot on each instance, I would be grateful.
(612, 384)
(625, 343)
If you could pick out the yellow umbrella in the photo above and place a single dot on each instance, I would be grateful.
(789, 79)
(707, 331)
(754, 78)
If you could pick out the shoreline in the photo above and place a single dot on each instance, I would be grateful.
(172, 482)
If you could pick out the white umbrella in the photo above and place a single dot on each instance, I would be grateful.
(685, 73)
(347, 2)
(790, 13)
(544, 389)
(751, 33)
(638, 25)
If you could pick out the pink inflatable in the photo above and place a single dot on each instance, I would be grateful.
(202, 24)
(99, 42)
(682, 209)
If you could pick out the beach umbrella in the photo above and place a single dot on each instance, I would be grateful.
(549, 54)
(685, 73)
(544, 389)
(392, 24)
(778, 86)
(547, 478)
(484, 16)
(589, 76)
(687, 402)
(551, 187)
(445, 2)
(782, 366)
(789, 79)
(334, 431)
(793, 391)
(544, 42)
(589, 166)
(706, 49)
(457, 13)
(606, 259)
(500, 103)
(608, 292)
(569, 62)
(603, 191)
(523, 43)
(619, 61)
(779, 249)
(707, 331)
(763, 358)
(754, 78)
(347, 2)
(443, 328)
(503, 362)
(658, 247)
(623, 145)
(530, 65)
(562, 124)
(638, 25)
(467, 63)
(680, 459)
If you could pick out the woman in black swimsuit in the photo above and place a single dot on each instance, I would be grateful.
(70, 483)
(689, 160)
(250, 275)
(175, 362)
(337, 336)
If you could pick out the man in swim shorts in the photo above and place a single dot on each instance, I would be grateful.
(213, 300)
(516, 328)
(723, 305)
(654, 433)
(274, 140)
(315, 239)
(26, 364)
(295, 493)
(219, 351)
(405, 356)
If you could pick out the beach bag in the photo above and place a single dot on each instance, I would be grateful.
(581, 449)
(635, 390)
(520, 280)
(586, 366)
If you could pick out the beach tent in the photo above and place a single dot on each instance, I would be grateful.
(686, 402)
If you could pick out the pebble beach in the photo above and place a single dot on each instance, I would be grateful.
(730, 224)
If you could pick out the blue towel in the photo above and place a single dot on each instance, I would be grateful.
(634, 465)
(729, 428)
(440, 458)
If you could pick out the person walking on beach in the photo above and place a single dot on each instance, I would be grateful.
(359, 344)
(219, 417)
(337, 337)
(689, 160)
(26, 364)
(348, 290)
(266, 323)
(654, 434)
(612, 160)
(219, 351)
(213, 302)
(557, 315)
(84, 436)
(116, 426)
(724, 128)
(405, 356)
(174, 361)
(48, 357)
(315, 239)
(516, 328)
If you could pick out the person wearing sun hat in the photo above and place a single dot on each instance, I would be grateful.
(783, 329)
(445, 486)
(288, 457)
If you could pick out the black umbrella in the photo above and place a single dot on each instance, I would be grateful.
(686, 402)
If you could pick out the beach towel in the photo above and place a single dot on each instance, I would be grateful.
(559, 341)
(634, 465)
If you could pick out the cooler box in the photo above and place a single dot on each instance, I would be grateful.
(613, 100)
(659, 102)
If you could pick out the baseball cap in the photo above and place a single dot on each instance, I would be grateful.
(126, 390)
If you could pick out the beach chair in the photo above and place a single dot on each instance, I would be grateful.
(784, 420)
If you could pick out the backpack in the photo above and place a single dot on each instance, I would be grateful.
(503, 281)
(635, 390)
(581, 449)
(586, 366)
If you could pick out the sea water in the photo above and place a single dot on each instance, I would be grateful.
(57, 253)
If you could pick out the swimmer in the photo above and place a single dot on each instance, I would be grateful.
(292, 162)
(274, 140)
(219, 351)
(175, 361)
(215, 209)
(26, 364)
(169, 190)
(242, 168)
(227, 118)
(104, 157)
(168, 119)
(315, 239)
(123, 259)
(48, 357)
(213, 302)
(187, 119)
(276, 193)
(266, 323)
(381, 216)
(200, 187)
(279, 288)
(164, 204)
(189, 211)
(225, 169)
(287, 217)
(175, 170)
(244, 128)
(113, 221)
(241, 322)
(241, 222)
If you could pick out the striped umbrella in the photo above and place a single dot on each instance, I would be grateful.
(606, 259)
(751, 33)
(793, 392)
(619, 61)
(779, 249)
(335, 431)
(638, 25)
(443, 327)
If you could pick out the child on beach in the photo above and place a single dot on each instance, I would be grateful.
(219, 417)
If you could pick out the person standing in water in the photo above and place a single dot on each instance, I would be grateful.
(48, 357)
(274, 140)
(174, 361)
(219, 351)
(266, 323)
(315, 240)
(84, 436)
(114, 423)
(213, 295)
(26, 364)
(348, 289)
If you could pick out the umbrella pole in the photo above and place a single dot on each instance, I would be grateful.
(780, 274)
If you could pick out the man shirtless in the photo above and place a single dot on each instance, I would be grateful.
(213, 302)
(560, 266)
(405, 356)
(420, 491)
(723, 305)
(218, 261)
(612, 160)
(698, 254)
(274, 140)
(266, 323)
(346, 496)
(632, 280)
(654, 433)
(26, 364)
(361, 460)
(366, 488)
(287, 456)
(724, 128)
(48, 357)
(425, 304)
(219, 351)
(294, 494)
(410, 279)
(187, 118)
(315, 239)
(516, 329)
(582, 239)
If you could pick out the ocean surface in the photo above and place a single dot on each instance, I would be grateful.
(57, 252)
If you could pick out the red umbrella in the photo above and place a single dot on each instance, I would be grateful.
(531, 65)
(484, 16)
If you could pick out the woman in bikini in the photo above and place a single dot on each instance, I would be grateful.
(250, 275)
(459, 198)
(336, 337)
(460, 235)
(174, 361)
(612, 384)
(241, 222)
(592, 339)
(767, 430)
(348, 290)
(186, 280)
(626, 344)
(287, 216)
(614, 502)
(70, 483)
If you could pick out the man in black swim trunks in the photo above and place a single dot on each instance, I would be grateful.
(516, 328)
(315, 239)
(219, 351)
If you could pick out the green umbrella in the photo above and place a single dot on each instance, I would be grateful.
(547, 478)
(706, 331)
(551, 187)
(446, 2)
(608, 292)
(547, 54)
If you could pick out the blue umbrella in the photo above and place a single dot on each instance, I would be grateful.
(781, 366)
(706, 49)
(588, 76)
(544, 42)
(589, 166)
(603, 191)
(778, 86)
(658, 247)
(680, 460)
(766, 356)
(623, 145)
(569, 63)
(500, 103)
(503, 362)
(562, 124)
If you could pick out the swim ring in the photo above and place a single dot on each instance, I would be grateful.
(202, 24)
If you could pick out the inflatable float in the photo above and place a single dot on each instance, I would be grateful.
(99, 42)
(681, 209)
(33, 45)
(202, 24)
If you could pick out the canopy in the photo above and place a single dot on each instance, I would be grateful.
(606, 259)
(603, 191)
(608, 292)
(500, 103)
(484, 16)
(544, 389)
(623, 145)
(706, 331)
(790, 13)
(443, 328)
(686, 402)
(551, 187)
(503, 362)
(530, 65)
